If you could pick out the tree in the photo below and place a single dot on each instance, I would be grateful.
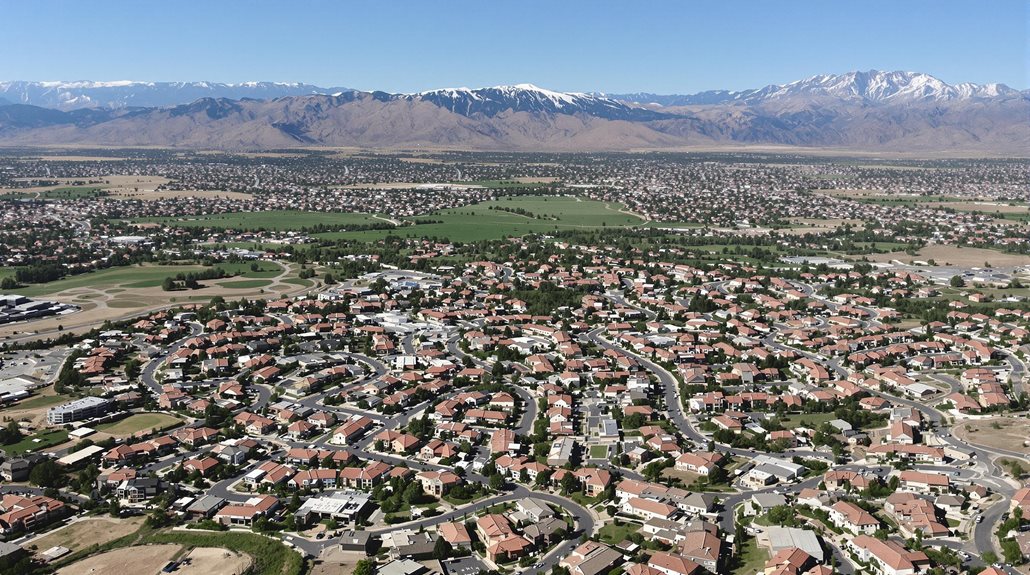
(957, 282)
(442, 549)
(10, 434)
(496, 482)
(46, 473)
(168, 284)
(364, 567)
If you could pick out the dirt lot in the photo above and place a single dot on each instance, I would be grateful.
(997, 432)
(213, 561)
(145, 560)
(809, 225)
(88, 532)
(36, 416)
(336, 562)
(956, 256)
(986, 207)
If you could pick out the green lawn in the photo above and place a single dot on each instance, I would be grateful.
(136, 423)
(478, 222)
(598, 451)
(246, 284)
(65, 193)
(271, 220)
(45, 439)
(614, 534)
(751, 558)
(149, 276)
(127, 276)
(264, 269)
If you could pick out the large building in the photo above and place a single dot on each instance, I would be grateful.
(79, 409)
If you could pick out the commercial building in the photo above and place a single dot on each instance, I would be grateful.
(77, 410)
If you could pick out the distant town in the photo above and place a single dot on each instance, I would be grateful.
(459, 363)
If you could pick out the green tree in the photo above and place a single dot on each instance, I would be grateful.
(364, 567)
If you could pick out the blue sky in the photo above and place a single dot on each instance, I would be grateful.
(612, 46)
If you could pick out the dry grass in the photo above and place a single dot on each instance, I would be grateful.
(813, 226)
(144, 560)
(997, 432)
(82, 534)
(956, 256)
(214, 561)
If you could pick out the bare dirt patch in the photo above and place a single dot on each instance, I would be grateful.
(81, 534)
(815, 226)
(214, 561)
(143, 560)
(997, 432)
(956, 256)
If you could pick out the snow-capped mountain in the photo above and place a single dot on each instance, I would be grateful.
(528, 98)
(126, 94)
(879, 111)
(873, 86)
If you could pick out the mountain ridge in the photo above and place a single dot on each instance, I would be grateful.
(879, 112)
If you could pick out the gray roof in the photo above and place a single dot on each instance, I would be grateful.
(788, 537)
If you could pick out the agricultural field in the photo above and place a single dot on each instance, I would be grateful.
(271, 220)
(479, 222)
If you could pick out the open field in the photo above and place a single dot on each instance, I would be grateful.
(33, 410)
(141, 560)
(82, 534)
(134, 424)
(801, 226)
(480, 222)
(121, 187)
(124, 291)
(271, 220)
(997, 432)
(41, 440)
(214, 561)
(956, 256)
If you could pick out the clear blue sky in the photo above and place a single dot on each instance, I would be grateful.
(613, 46)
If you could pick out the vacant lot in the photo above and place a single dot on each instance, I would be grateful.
(143, 560)
(490, 220)
(956, 256)
(997, 432)
(214, 561)
(82, 534)
(140, 423)
(33, 410)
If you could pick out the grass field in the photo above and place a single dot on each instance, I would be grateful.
(750, 559)
(271, 220)
(65, 193)
(246, 284)
(82, 534)
(480, 222)
(137, 423)
(41, 401)
(38, 441)
(127, 276)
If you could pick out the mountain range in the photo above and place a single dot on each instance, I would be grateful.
(876, 111)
